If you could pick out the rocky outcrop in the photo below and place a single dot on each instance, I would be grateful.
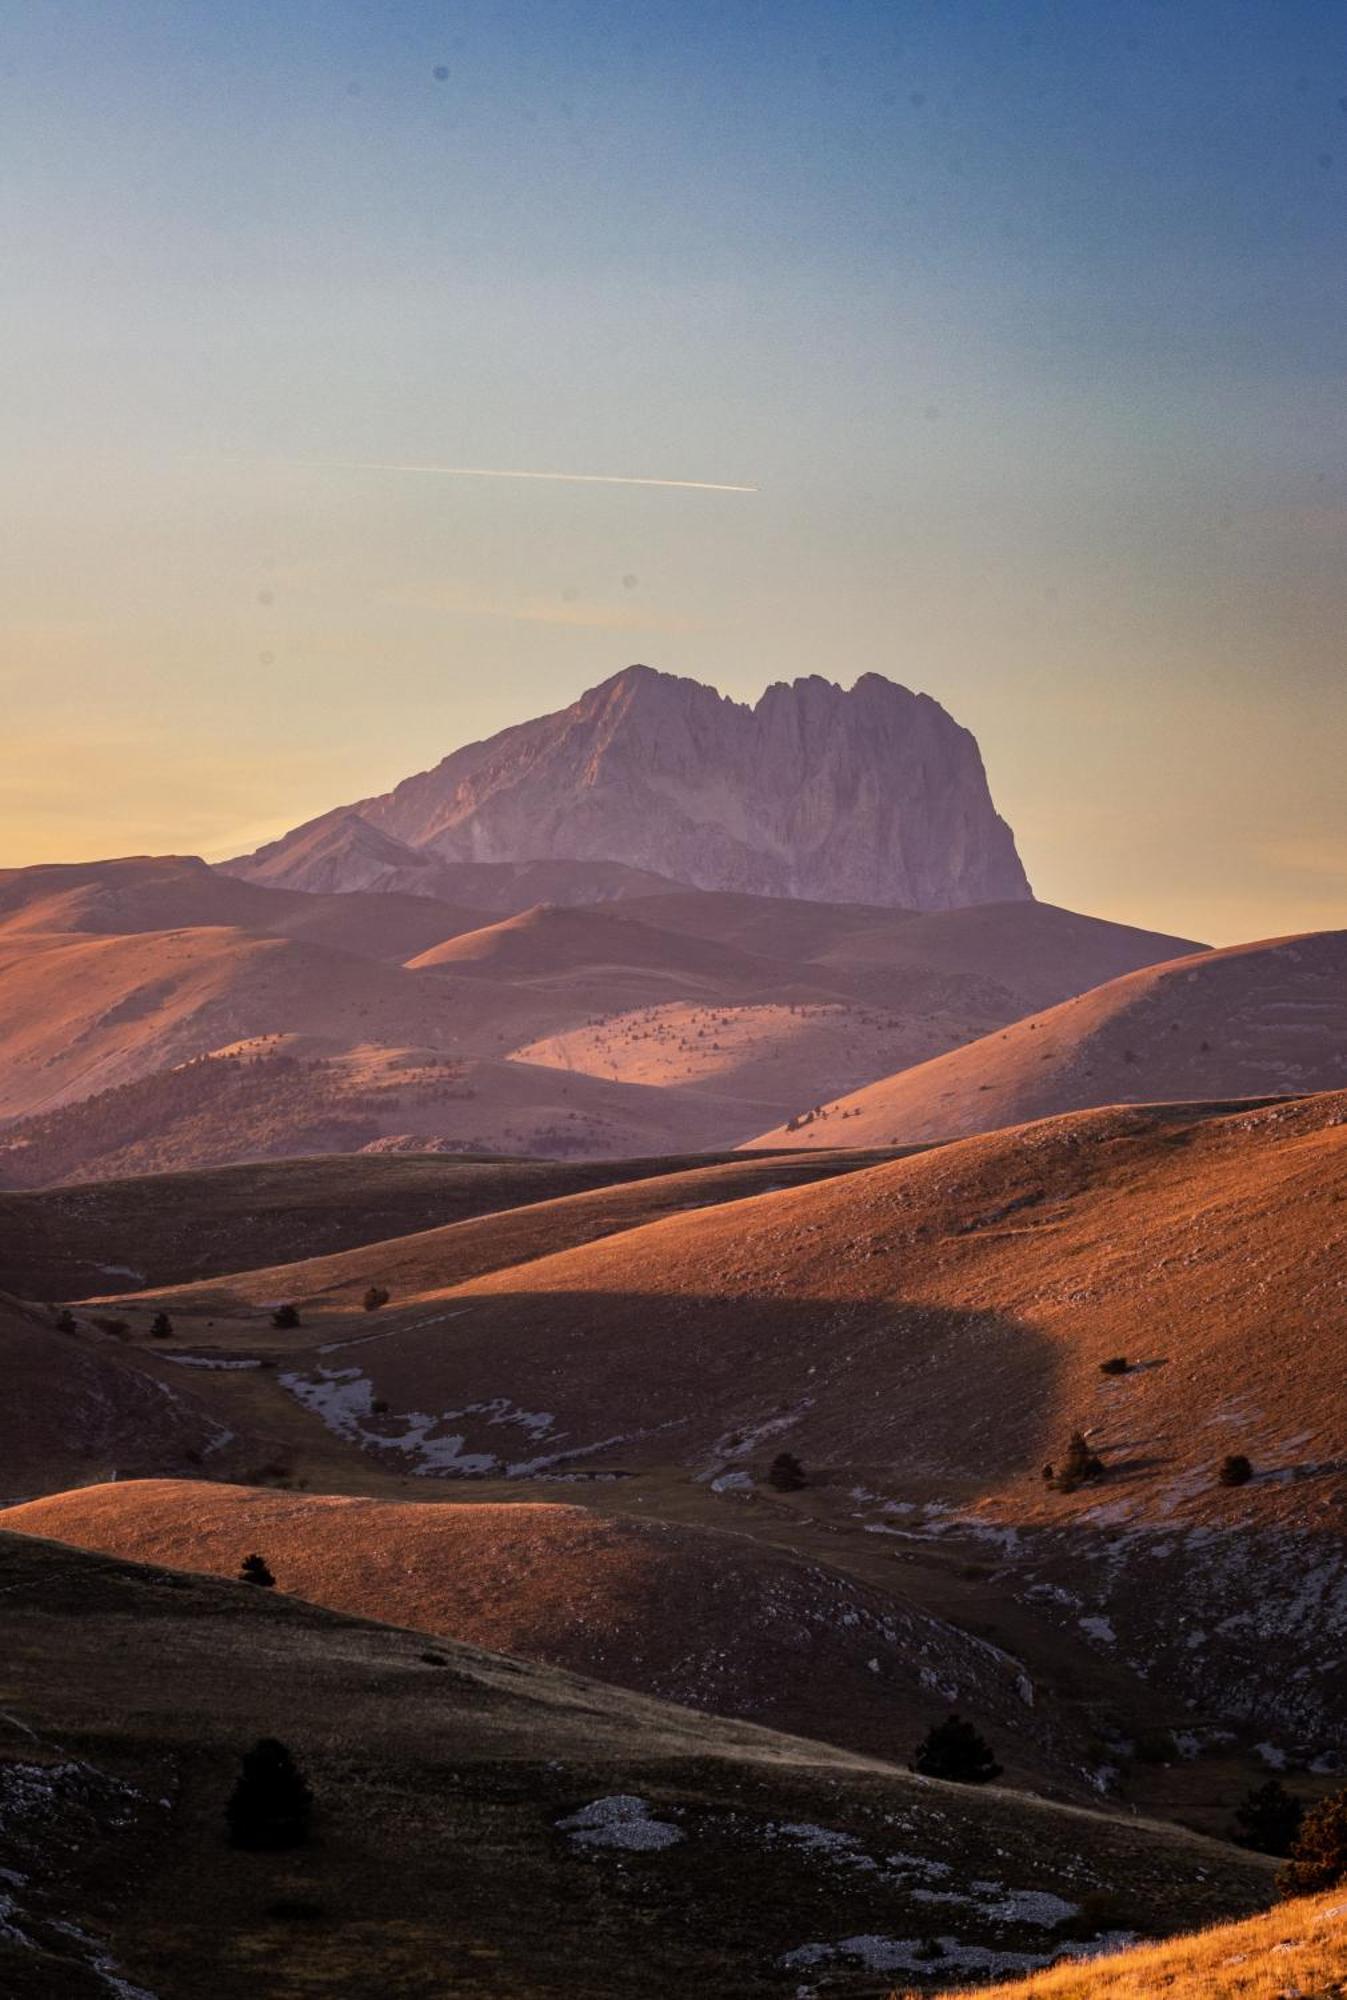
(871, 794)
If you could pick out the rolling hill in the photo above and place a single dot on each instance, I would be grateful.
(715, 1621)
(504, 1827)
(71, 1242)
(1248, 1021)
(925, 1334)
(138, 997)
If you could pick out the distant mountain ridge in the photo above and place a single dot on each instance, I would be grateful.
(870, 794)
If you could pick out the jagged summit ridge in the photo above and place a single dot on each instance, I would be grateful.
(869, 794)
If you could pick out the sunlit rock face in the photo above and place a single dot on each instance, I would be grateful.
(871, 794)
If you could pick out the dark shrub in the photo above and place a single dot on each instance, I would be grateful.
(786, 1473)
(1100, 1910)
(954, 1750)
(285, 1317)
(1235, 1470)
(1268, 1818)
(65, 1321)
(1155, 1746)
(255, 1569)
(1319, 1855)
(1117, 1364)
(271, 1806)
(376, 1296)
(161, 1327)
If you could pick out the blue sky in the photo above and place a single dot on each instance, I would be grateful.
(1026, 320)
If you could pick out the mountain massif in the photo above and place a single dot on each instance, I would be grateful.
(870, 794)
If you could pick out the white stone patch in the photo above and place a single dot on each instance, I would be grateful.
(885, 1954)
(620, 1821)
(1100, 1629)
(211, 1361)
(343, 1400)
(732, 1482)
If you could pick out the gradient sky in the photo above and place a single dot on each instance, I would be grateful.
(1027, 321)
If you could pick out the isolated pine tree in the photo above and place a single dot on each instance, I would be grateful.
(376, 1296)
(285, 1317)
(271, 1806)
(1235, 1470)
(954, 1750)
(1319, 1855)
(161, 1327)
(65, 1320)
(786, 1473)
(1268, 1818)
(255, 1569)
(1079, 1464)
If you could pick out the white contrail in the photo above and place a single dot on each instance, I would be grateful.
(492, 472)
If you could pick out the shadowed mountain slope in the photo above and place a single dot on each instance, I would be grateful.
(715, 1621)
(484, 1823)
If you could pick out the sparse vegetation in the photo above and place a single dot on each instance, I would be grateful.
(1319, 1851)
(954, 1750)
(161, 1327)
(376, 1296)
(1235, 1470)
(786, 1474)
(64, 1321)
(1268, 1818)
(286, 1318)
(271, 1806)
(255, 1569)
(109, 1323)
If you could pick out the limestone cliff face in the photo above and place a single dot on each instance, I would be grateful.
(870, 794)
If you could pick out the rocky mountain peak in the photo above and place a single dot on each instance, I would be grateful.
(864, 794)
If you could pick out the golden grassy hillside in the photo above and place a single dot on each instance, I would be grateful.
(1299, 1949)
(1252, 1020)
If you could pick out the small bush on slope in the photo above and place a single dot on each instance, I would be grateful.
(1268, 1818)
(954, 1750)
(786, 1473)
(271, 1806)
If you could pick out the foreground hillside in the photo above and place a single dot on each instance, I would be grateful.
(499, 1828)
(1252, 1021)
(1299, 1949)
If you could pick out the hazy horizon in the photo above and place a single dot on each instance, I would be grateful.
(996, 351)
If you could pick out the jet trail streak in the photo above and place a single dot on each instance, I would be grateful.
(492, 472)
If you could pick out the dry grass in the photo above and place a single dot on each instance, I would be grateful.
(1299, 1948)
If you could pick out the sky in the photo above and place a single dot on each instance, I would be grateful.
(1024, 319)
